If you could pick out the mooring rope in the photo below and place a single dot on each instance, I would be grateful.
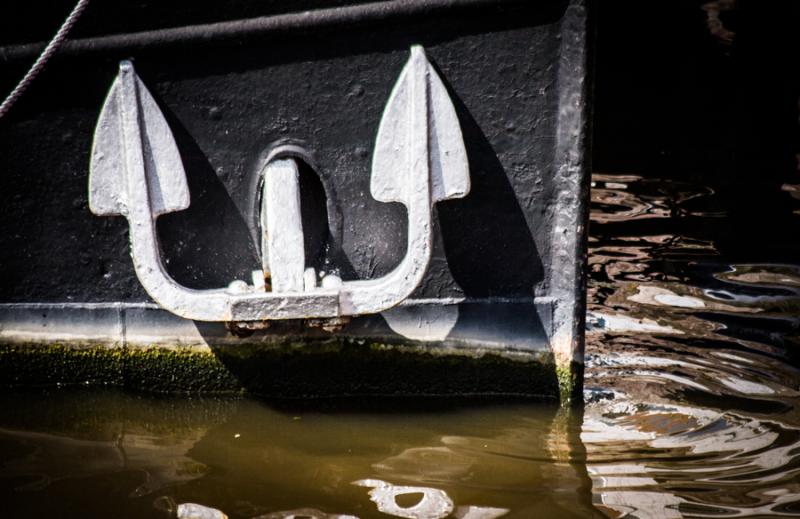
(43, 58)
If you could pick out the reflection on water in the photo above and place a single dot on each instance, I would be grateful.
(692, 387)
(692, 384)
(81, 454)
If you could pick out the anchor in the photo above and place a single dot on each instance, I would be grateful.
(419, 159)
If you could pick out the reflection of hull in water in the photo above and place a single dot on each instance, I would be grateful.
(56, 457)
(250, 459)
(70, 441)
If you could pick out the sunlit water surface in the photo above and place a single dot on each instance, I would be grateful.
(692, 380)
(691, 410)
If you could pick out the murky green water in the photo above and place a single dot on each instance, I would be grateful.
(85, 454)
(692, 393)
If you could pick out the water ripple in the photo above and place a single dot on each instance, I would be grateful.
(692, 384)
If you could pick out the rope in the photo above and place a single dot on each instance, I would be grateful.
(43, 58)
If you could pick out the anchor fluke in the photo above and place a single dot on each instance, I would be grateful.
(108, 171)
(419, 106)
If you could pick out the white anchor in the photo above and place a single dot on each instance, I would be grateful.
(419, 159)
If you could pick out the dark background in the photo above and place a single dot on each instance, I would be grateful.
(679, 98)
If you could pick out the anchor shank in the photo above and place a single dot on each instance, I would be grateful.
(283, 252)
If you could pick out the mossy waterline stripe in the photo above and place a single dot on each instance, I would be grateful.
(299, 368)
(139, 346)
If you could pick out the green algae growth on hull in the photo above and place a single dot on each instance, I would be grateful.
(304, 368)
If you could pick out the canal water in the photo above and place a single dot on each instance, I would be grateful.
(691, 408)
(692, 381)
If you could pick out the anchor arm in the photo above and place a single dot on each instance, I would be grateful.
(419, 159)
(136, 171)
